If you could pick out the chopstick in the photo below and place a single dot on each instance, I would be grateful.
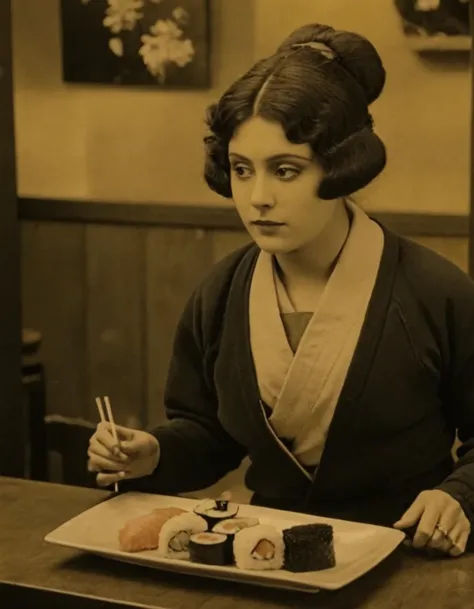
(110, 415)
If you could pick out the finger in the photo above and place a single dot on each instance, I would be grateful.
(139, 444)
(445, 529)
(124, 433)
(459, 536)
(437, 541)
(105, 436)
(103, 479)
(131, 447)
(451, 514)
(426, 527)
(442, 536)
(460, 543)
(99, 464)
(411, 516)
(442, 545)
(96, 449)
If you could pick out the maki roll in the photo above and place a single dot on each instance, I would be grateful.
(309, 547)
(215, 510)
(210, 549)
(230, 527)
(259, 548)
(174, 536)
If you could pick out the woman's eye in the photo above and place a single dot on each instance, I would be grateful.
(283, 172)
(241, 171)
(287, 173)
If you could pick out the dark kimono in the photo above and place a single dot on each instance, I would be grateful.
(386, 433)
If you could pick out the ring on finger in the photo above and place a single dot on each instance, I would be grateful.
(443, 531)
(447, 543)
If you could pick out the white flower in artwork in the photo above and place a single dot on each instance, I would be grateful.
(427, 5)
(165, 46)
(122, 14)
(181, 15)
(116, 46)
(166, 28)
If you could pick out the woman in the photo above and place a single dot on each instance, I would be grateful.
(337, 356)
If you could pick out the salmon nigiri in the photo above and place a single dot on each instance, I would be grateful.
(142, 533)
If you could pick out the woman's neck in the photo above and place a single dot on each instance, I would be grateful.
(315, 262)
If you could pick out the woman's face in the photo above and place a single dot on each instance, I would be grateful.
(276, 181)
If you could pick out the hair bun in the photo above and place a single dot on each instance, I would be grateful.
(356, 54)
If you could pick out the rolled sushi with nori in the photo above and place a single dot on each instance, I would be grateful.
(174, 536)
(216, 510)
(210, 549)
(309, 547)
(230, 527)
(259, 548)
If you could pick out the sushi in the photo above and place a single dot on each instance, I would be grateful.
(259, 548)
(213, 534)
(142, 533)
(174, 536)
(231, 526)
(210, 549)
(216, 510)
(309, 547)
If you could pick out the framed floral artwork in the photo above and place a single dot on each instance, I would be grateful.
(442, 25)
(158, 43)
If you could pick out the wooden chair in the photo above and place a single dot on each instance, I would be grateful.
(34, 386)
(67, 442)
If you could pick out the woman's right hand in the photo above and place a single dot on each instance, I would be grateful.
(136, 454)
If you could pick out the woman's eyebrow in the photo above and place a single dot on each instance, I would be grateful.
(274, 157)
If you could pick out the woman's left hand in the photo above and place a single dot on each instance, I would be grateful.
(442, 524)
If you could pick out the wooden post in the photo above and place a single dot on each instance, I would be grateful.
(471, 206)
(12, 434)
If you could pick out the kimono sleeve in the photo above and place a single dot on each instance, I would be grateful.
(460, 484)
(460, 396)
(195, 450)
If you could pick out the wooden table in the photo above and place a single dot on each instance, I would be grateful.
(62, 577)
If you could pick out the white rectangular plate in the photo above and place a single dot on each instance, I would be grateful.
(358, 547)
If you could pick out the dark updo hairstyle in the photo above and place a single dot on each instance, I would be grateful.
(318, 86)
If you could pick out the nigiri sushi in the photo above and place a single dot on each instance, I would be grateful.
(143, 532)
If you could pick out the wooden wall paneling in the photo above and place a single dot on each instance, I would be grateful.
(227, 241)
(177, 260)
(455, 249)
(53, 297)
(115, 321)
(211, 216)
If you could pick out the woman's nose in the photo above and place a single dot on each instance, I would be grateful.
(261, 194)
